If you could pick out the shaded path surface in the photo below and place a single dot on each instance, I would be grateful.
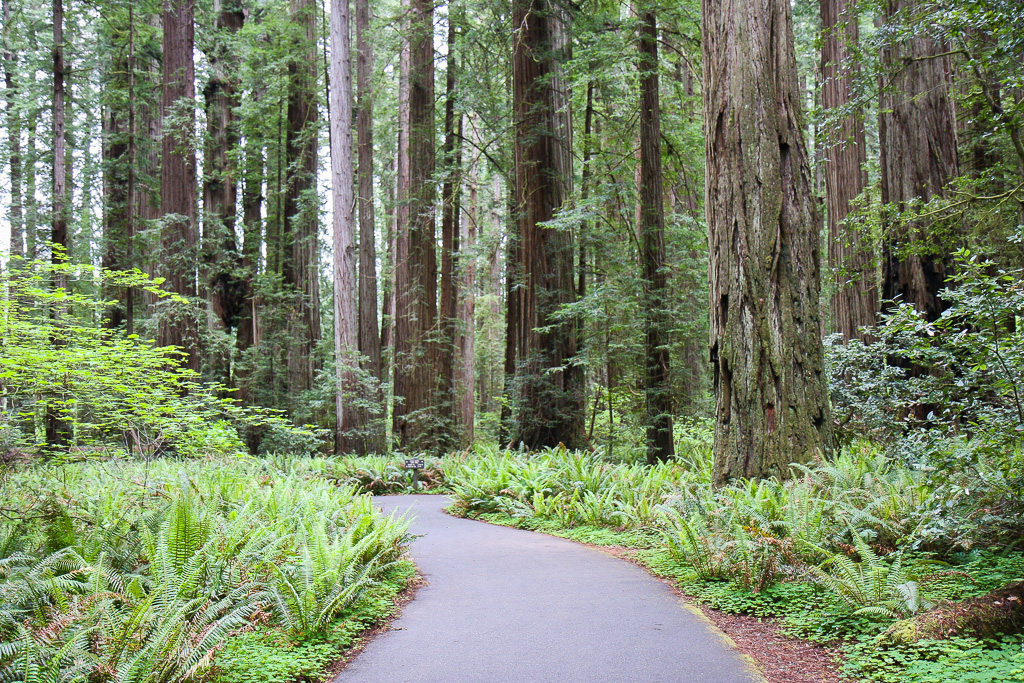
(505, 604)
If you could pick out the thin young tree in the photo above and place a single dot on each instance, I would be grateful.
(764, 264)
(346, 321)
(448, 416)
(12, 121)
(658, 397)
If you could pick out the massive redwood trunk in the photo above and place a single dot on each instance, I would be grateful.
(300, 260)
(918, 144)
(547, 396)
(855, 300)
(657, 389)
(226, 289)
(369, 331)
(180, 234)
(416, 267)
(346, 322)
(771, 401)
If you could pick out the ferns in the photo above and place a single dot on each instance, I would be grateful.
(871, 586)
(169, 559)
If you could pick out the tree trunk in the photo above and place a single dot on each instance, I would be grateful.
(180, 234)
(771, 402)
(58, 434)
(116, 204)
(13, 124)
(220, 183)
(855, 300)
(548, 396)
(416, 281)
(300, 269)
(657, 390)
(59, 221)
(466, 342)
(346, 322)
(369, 332)
(448, 416)
(918, 145)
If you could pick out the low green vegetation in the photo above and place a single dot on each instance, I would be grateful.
(840, 553)
(174, 570)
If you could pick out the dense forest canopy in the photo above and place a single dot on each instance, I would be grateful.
(414, 226)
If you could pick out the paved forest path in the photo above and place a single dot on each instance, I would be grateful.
(506, 605)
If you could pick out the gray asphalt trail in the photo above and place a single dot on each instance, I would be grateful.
(505, 604)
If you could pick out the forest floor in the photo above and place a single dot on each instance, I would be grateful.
(501, 604)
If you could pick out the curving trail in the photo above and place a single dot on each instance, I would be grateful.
(506, 605)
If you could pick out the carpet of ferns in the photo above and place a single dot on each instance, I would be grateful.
(226, 570)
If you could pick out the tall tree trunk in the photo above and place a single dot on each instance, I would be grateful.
(13, 124)
(220, 182)
(117, 206)
(346, 321)
(57, 431)
(178, 176)
(252, 243)
(448, 416)
(59, 221)
(369, 332)
(416, 284)
(771, 402)
(466, 341)
(657, 389)
(549, 407)
(300, 261)
(918, 146)
(855, 300)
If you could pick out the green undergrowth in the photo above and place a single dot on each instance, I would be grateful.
(593, 535)
(271, 655)
(382, 475)
(158, 571)
(838, 553)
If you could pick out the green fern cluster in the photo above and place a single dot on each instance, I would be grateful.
(163, 561)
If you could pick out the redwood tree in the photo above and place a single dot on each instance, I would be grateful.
(416, 267)
(300, 263)
(369, 332)
(771, 402)
(548, 394)
(918, 144)
(855, 300)
(180, 234)
(346, 323)
(658, 396)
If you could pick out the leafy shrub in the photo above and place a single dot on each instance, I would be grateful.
(947, 397)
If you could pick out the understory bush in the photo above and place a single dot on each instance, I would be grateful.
(129, 571)
(947, 397)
